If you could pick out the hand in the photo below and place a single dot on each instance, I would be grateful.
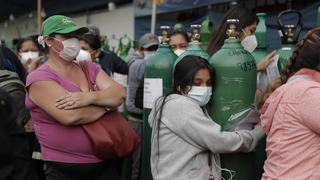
(263, 64)
(258, 125)
(33, 64)
(28, 127)
(74, 100)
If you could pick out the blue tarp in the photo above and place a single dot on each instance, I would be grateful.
(309, 16)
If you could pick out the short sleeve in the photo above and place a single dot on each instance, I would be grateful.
(39, 75)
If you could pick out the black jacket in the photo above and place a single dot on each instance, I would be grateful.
(111, 63)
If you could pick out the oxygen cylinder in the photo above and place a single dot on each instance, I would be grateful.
(234, 92)
(261, 35)
(194, 47)
(157, 82)
(124, 47)
(205, 32)
(105, 43)
(114, 44)
(259, 53)
(179, 28)
(289, 34)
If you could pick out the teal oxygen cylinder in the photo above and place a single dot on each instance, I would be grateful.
(205, 32)
(259, 53)
(195, 46)
(234, 92)
(179, 28)
(157, 82)
(289, 34)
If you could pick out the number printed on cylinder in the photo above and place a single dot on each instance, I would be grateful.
(248, 66)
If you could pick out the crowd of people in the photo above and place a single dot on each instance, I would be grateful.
(45, 98)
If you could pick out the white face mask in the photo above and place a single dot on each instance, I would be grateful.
(25, 56)
(147, 54)
(249, 43)
(71, 48)
(83, 56)
(178, 52)
(201, 94)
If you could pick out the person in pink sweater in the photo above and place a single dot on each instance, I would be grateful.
(290, 116)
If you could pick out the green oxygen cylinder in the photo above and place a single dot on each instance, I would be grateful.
(157, 82)
(114, 44)
(194, 47)
(259, 53)
(261, 35)
(124, 47)
(234, 91)
(289, 34)
(105, 43)
(205, 32)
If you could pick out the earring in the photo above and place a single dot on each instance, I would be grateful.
(49, 45)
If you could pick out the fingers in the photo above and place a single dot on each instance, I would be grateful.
(67, 104)
(65, 101)
(270, 55)
(71, 106)
(269, 58)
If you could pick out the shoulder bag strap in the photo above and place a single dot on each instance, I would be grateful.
(86, 73)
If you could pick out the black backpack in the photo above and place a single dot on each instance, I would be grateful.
(11, 83)
(16, 151)
(7, 114)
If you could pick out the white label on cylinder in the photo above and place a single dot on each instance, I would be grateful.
(152, 90)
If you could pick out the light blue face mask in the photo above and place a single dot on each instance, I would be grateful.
(201, 94)
(147, 54)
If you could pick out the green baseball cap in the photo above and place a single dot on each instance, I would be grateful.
(60, 24)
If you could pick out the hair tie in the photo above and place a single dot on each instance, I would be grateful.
(41, 41)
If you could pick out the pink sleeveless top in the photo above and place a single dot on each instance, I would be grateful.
(60, 143)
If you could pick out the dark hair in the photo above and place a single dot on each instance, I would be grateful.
(306, 55)
(183, 77)
(92, 40)
(246, 18)
(19, 44)
(183, 34)
(152, 48)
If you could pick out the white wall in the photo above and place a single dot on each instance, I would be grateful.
(21, 27)
(119, 22)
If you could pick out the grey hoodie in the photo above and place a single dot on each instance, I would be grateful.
(185, 137)
(136, 65)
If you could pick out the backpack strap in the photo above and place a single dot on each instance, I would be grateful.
(7, 77)
(1, 58)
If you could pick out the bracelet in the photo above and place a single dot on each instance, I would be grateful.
(107, 108)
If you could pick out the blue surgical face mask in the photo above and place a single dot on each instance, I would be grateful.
(147, 54)
(201, 94)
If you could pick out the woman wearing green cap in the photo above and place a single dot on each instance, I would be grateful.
(60, 102)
